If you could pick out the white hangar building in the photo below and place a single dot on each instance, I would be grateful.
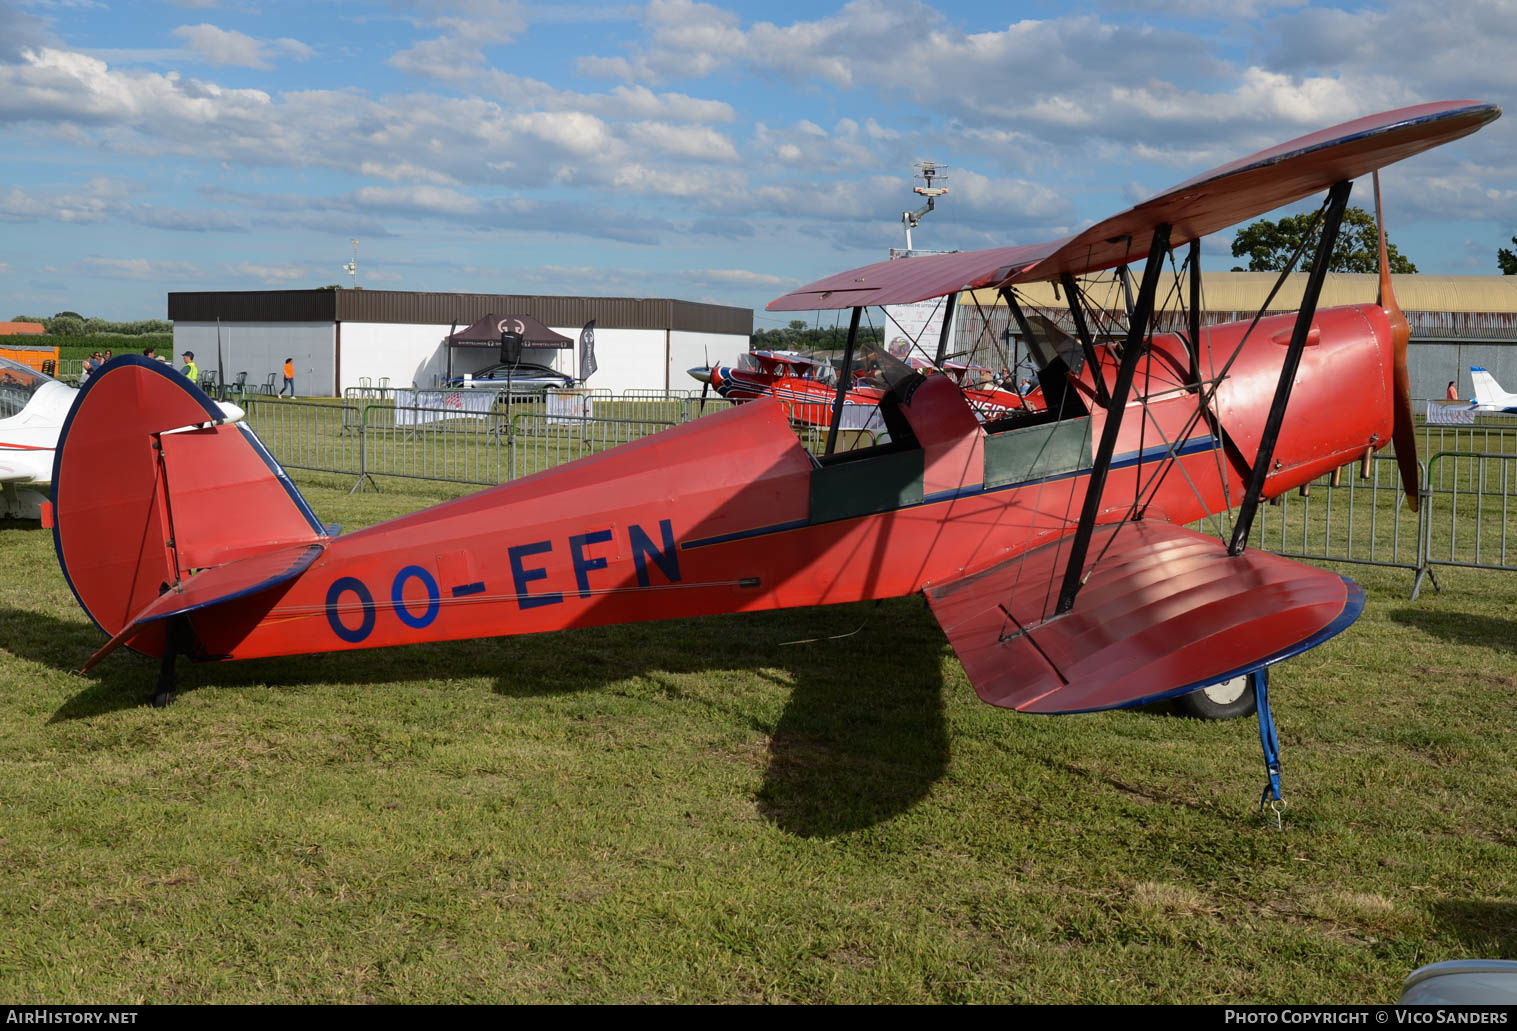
(338, 337)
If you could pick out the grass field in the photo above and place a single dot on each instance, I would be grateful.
(704, 811)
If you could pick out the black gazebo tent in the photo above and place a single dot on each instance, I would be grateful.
(487, 333)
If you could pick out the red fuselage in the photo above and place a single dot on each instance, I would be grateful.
(729, 513)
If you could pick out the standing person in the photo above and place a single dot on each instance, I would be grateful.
(91, 366)
(190, 369)
(1453, 394)
(289, 377)
(150, 353)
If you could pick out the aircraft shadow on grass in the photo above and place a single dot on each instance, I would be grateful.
(1462, 628)
(862, 737)
(1487, 929)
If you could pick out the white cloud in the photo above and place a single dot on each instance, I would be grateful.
(428, 200)
(270, 274)
(405, 171)
(689, 141)
(741, 277)
(139, 268)
(230, 48)
(94, 202)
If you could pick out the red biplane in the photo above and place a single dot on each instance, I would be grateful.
(989, 399)
(1051, 544)
(803, 385)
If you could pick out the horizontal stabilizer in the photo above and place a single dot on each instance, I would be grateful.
(217, 586)
(1164, 612)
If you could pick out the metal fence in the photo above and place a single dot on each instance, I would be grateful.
(318, 436)
(540, 441)
(366, 435)
(1464, 517)
(432, 443)
(1475, 489)
(1352, 515)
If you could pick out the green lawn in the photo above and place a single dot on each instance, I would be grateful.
(704, 811)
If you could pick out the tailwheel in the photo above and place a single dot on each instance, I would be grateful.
(1232, 699)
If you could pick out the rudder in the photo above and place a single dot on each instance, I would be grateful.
(150, 484)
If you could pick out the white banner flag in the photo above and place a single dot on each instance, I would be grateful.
(418, 407)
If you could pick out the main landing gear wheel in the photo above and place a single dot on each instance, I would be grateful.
(1229, 700)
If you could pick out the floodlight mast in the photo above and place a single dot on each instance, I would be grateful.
(928, 172)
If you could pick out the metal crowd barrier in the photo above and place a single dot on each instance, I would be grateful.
(540, 441)
(318, 436)
(1465, 517)
(1474, 489)
(430, 443)
(1343, 518)
(659, 394)
(490, 445)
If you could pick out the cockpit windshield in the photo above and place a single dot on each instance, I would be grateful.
(874, 366)
(1049, 343)
(17, 386)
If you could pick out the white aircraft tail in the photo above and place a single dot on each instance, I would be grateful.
(1488, 391)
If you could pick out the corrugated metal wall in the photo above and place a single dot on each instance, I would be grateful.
(405, 306)
(1486, 339)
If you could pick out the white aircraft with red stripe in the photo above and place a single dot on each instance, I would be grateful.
(33, 409)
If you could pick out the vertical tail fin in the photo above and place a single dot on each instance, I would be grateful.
(150, 483)
(1488, 391)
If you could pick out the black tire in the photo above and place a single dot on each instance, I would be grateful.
(1228, 700)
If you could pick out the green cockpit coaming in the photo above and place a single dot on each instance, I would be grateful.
(879, 482)
(1037, 452)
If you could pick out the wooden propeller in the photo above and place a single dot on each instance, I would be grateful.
(1403, 431)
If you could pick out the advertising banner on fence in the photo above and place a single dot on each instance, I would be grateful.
(1457, 413)
(569, 406)
(418, 407)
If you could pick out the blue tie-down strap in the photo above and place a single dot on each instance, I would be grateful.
(1271, 805)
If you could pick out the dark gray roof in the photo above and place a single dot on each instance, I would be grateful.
(444, 309)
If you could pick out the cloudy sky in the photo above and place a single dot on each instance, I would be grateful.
(710, 151)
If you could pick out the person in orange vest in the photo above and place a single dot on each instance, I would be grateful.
(289, 377)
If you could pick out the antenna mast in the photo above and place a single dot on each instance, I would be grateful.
(352, 266)
(929, 172)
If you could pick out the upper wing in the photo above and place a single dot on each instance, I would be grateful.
(1165, 612)
(901, 282)
(1211, 201)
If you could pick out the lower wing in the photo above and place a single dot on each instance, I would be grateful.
(1164, 612)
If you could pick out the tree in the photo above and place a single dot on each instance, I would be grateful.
(1269, 245)
(1507, 260)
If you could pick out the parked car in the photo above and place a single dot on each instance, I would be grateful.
(525, 377)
